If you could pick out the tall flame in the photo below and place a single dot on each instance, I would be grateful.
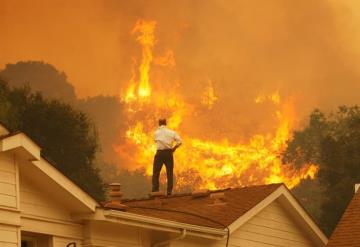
(203, 163)
(147, 41)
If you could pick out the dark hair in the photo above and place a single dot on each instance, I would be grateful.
(162, 121)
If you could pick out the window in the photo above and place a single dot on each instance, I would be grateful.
(27, 241)
(30, 239)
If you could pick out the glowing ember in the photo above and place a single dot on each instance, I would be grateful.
(275, 98)
(203, 163)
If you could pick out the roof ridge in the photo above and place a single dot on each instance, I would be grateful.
(171, 196)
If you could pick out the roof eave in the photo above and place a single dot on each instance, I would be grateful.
(152, 223)
(22, 145)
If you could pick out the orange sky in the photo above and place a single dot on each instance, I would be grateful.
(304, 48)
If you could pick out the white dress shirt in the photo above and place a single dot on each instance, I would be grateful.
(165, 138)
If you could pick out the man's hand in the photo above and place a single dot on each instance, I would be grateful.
(175, 147)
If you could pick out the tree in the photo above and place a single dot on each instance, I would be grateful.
(108, 113)
(40, 76)
(67, 136)
(333, 142)
(135, 184)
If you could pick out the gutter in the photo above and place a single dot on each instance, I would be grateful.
(181, 236)
(166, 225)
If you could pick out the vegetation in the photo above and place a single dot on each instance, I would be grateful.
(134, 184)
(67, 136)
(42, 77)
(333, 142)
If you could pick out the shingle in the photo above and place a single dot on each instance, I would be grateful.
(347, 232)
(200, 211)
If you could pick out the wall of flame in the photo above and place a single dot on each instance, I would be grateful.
(201, 162)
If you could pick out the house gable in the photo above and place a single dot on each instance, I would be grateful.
(25, 156)
(290, 210)
(272, 225)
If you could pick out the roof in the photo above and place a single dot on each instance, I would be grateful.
(202, 211)
(347, 232)
(200, 216)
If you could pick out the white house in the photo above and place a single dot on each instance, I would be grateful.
(40, 207)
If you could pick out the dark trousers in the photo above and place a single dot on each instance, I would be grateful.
(163, 157)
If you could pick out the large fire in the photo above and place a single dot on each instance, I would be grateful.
(201, 163)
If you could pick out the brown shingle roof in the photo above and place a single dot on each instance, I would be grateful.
(347, 232)
(200, 211)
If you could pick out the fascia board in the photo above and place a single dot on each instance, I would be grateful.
(166, 223)
(20, 140)
(305, 217)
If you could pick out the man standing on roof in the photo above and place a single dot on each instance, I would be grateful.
(164, 139)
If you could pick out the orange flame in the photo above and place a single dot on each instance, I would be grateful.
(167, 60)
(147, 41)
(209, 97)
(274, 97)
(204, 163)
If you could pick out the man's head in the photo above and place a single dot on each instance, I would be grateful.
(162, 122)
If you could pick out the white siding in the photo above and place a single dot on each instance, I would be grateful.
(9, 214)
(42, 213)
(33, 201)
(9, 236)
(271, 227)
(40, 225)
(8, 178)
(111, 235)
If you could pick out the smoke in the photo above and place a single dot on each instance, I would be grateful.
(306, 50)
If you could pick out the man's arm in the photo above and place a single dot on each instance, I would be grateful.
(178, 142)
